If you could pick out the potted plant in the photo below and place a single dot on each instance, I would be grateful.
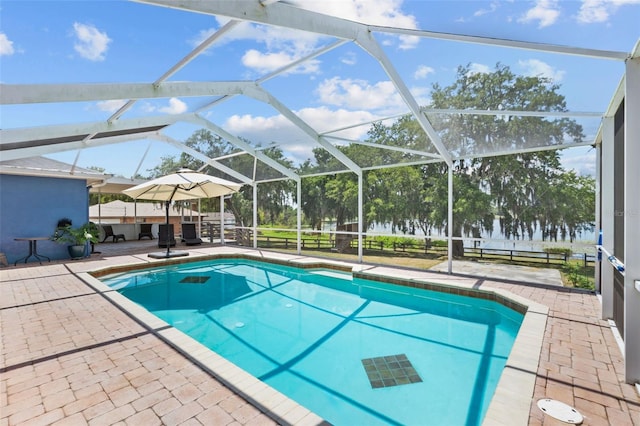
(78, 239)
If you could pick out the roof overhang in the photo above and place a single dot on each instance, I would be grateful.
(115, 185)
(91, 178)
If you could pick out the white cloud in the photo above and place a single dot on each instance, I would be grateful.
(422, 95)
(324, 119)
(283, 46)
(267, 62)
(359, 94)
(423, 71)
(355, 101)
(296, 145)
(349, 58)
(6, 45)
(148, 107)
(476, 68)
(274, 38)
(537, 68)
(237, 124)
(384, 12)
(176, 106)
(582, 160)
(408, 42)
(91, 43)
(110, 106)
(492, 8)
(545, 12)
(202, 36)
(594, 11)
(321, 119)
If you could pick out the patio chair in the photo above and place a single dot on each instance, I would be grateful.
(145, 231)
(108, 233)
(162, 236)
(189, 236)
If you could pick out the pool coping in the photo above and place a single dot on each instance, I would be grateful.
(512, 398)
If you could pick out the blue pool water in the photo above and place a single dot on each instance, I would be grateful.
(307, 332)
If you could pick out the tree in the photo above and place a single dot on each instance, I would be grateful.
(472, 211)
(272, 196)
(568, 208)
(168, 165)
(328, 196)
(513, 186)
(528, 190)
(314, 201)
(100, 198)
(409, 198)
(520, 183)
(275, 196)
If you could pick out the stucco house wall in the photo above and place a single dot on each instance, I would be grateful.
(30, 206)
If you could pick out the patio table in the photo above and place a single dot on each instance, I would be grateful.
(33, 249)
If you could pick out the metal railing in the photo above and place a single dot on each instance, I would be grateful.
(513, 255)
(617, 264)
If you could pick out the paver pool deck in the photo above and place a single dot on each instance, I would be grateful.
(71, 355)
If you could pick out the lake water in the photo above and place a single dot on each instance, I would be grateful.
(584, 243)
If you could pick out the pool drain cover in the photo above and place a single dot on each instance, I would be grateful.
(560, 410)
(392, 370)
(194, 279)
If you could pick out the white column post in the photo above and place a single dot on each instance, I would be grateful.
(450, 219)
(608, 215)
(360, 216)
(598, 208)
(299, 214)
(632, 221)
(255, 214)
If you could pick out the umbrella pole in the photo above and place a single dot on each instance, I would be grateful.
(175, 189)
(166, 205)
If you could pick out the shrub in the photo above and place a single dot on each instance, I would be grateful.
(575, 276)
(558, 250)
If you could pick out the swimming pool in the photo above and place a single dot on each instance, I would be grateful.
(352, 350)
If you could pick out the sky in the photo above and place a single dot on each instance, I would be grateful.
(53, 41)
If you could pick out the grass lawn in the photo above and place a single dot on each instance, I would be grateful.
(573, 272)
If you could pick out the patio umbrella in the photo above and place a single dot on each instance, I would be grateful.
(184, 184)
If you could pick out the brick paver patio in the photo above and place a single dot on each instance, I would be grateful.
(70, 357)
(581, 363)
